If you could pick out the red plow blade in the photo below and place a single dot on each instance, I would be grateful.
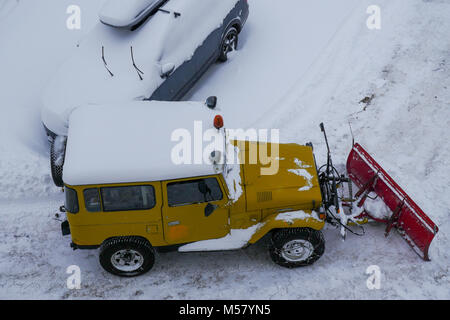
(411, 222)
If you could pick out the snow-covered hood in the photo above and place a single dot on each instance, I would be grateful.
(84, 79)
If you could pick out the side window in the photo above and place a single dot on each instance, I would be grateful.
(193, 191)
(128, 198)
(71, 203)
(92, 200)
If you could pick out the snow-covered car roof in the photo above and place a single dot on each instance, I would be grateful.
(119, 13)
(132, 142)
(85, 79)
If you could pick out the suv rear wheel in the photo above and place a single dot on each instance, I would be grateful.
(127, 256)
(297, 247)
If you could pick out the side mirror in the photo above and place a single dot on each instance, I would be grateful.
(167, 69)
(209, 209)
(211, 102)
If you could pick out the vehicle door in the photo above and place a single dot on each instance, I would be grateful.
(194, 210)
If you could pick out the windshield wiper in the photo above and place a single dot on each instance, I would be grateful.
(176, 14)
(104, 61)
(139, 71)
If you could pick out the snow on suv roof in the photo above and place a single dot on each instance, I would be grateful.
(131, 142)
(119, 13)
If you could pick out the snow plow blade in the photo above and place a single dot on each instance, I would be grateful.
(411, 222)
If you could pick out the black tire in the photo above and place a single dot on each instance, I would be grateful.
(56, 169)
(128, 248)
(229, 43)
(310, 241)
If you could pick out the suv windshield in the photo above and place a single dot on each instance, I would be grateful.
(193, 191)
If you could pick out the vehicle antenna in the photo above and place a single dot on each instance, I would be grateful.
(351, 132)
(175, 14)
(329, 161)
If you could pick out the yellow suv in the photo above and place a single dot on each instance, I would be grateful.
(125, 194)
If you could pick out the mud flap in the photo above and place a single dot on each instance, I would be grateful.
(410, 221)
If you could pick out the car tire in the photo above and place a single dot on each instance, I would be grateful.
(127, 256)
(229, 43)
(56, 165)
(296, 247)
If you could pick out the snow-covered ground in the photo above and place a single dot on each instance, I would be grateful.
(300, 63)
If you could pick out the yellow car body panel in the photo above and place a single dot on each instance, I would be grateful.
(92, 228)
(191, 222)
(273, 222)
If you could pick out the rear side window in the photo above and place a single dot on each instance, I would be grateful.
(128, 198)
(92, 200)
(193, 191)
(71, 203)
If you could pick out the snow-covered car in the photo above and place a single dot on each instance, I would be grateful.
(141, 50)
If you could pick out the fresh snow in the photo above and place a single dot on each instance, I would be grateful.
(377, 208)
(232, 172)
(302, 172)
(236, 239)
(291, 216)
(298, 64)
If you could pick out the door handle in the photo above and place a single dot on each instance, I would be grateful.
(173, 223)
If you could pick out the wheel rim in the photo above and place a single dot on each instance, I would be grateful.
(297, 250)
(230, 43)
(127, 260)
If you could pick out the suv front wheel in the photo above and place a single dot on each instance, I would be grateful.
(127, 256)
(297, 247)
(229, 43)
